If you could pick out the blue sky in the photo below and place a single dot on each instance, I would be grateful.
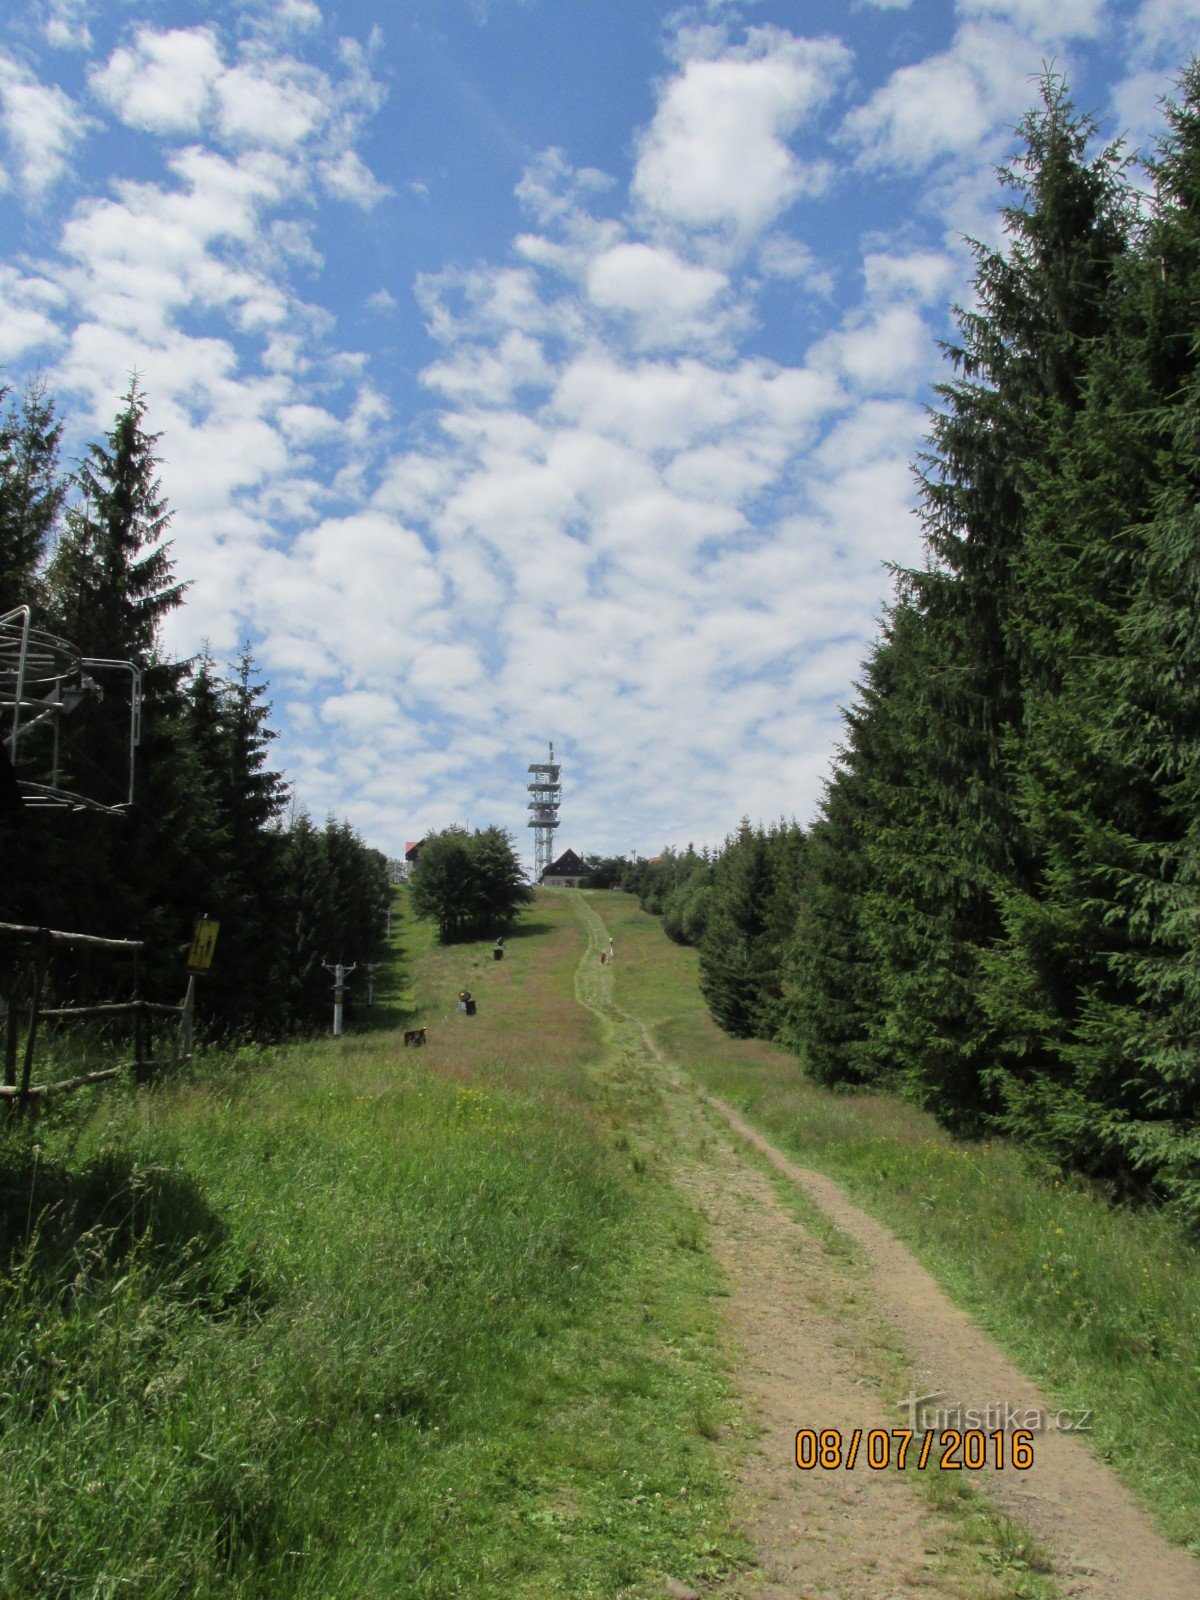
(528, 369)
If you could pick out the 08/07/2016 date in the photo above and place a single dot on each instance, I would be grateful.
(951, 1450)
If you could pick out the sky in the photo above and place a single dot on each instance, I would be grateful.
(531, 370)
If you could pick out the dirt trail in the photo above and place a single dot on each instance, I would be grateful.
(791, 1314)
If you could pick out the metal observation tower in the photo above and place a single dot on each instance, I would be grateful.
(545, 793)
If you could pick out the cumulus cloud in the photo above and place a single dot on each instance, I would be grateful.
(273, 103)
(42, 126)
(303, 15)
(1065, 19)
(668, 301)
(349, 178)
(946, 104)
(65, 26)
(181, 82)
(1166, 27)
(716, 154)
(27, 315)
(162, 82)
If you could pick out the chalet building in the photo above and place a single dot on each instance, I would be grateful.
(568, 872)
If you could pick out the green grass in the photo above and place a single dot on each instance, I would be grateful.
(345, 1319)
(1100, 1305)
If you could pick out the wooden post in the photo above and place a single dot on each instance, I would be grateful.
(35, 1009)
(10, 1047)
(139, 1023)
(183, 1037)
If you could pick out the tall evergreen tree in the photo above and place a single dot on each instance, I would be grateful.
(952, 839)
(32, 490)
(739, 975)
(112, 584)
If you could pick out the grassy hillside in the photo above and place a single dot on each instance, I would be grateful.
(345, 1319)
(1101, 1306)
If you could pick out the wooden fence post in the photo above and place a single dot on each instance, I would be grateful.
(35, 1011)
(183, 1036)
(10, 1047)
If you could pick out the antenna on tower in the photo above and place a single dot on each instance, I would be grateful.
(545, 792)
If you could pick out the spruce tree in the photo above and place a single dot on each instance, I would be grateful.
(32, 490)
(953, 841)
(738, 975)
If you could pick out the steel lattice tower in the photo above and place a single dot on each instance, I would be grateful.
(545, 792)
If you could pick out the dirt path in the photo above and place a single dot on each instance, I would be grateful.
(806, 1324)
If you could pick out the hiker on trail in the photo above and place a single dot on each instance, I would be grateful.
(603, 958)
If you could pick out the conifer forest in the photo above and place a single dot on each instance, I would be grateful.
(211, 829)
(997, 909)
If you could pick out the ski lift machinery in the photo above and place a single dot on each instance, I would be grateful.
(43, 679)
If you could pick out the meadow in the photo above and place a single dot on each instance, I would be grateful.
(341, 1318)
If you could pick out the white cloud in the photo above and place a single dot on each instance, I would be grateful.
(927, 275)
(27, 323)
(1137, 106)
(163, 82)
(349, 178)
(946, 104)
(782, 257)
(270, 103)
(490, 377)
(1159, 39)
(42, 125)
(668, 301)
(303, 15)
(716, 154)
(1166, 27)
(65, 25)
(887, 351)
(1064, 19)
(672, 406)
(305, 424)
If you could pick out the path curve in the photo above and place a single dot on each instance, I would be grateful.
(1103, 1544)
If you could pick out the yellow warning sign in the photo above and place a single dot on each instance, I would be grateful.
(204, 942)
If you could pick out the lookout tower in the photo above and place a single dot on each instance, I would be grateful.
(545, 793)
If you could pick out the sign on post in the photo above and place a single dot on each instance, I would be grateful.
(204, 942)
